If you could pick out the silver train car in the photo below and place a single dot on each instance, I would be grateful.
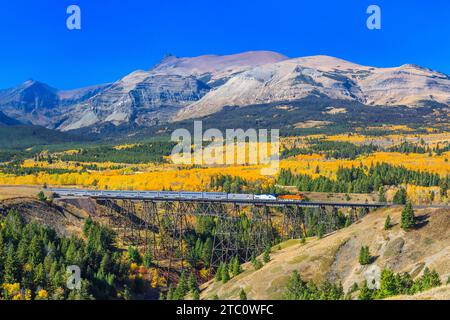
(161, 194)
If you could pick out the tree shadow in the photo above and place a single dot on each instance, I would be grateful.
(421, 221)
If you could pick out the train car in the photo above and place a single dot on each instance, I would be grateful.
(169, 194)
(129, 194)
(215, 195)
(191, 195)
(150, 194)
(80, 193)
(109, 194)
(95, 193)
(64, 192)
(270, 197)
(240, 196)
(291, 197)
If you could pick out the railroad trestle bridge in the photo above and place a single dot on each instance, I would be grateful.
(242, 228)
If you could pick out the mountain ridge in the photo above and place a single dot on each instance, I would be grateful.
(179, 89)
(336, 78)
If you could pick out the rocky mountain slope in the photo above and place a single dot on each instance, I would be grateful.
(34, 102)
(7, 121)
(147, 98)
(185, 88)
(295, 79)
(335, 257)
(215, 70)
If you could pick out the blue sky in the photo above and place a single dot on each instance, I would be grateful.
(120, 36)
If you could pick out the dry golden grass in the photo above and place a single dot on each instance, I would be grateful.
(441, 293)
(11, 192)
(335, 257)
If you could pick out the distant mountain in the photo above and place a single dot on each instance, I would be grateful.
(215, 70)
(148, 98)
(31, 102)
(295, 79)
(179, 89)
(37, 103)
(141, 97)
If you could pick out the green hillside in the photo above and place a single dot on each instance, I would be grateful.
(24, 136)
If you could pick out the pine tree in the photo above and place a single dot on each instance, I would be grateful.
(320, 231)
(388, 285)
(242, 295)
(364, 256)
(11, 271)
(39, 275)
(296, 288)
(266, 256)
(235, 266)
(218, 275)
(182, 288)
(133, 255)
(169, 295)
(192, 282)
(303, 240)
(400, 196)
(105, 264)
(348, 222)
(429, 279)
(407, 219)
(256, 263)
(195, 295)
(381, 195)
(365, 293)
(225, 274)
(206, 252)
(41, 196)
(148, 259)
(387, 223)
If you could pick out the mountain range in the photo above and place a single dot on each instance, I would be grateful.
(179, 89)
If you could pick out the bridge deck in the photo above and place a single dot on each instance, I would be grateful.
(258, 202)
(255, 202)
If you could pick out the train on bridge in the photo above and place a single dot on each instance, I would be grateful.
(185, 195)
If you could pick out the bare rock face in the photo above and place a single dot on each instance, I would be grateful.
(150, 97)
(294, 79)
(37, 103)
(214, 69)
(31, 101)
(186, 88)
(142, 97)
(7, 121)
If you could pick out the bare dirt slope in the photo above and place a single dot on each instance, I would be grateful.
(63, 218)
(335, 257)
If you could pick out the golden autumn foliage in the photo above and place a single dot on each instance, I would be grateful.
(133, 267)
(155, 278)
(12, 291)
(204, 273)
(42, 295)
(173, 177)
(169, 176)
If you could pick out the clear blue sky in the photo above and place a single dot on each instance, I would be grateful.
(120, 36)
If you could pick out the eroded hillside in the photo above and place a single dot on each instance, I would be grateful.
(335, 257)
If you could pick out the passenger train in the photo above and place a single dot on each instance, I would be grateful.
(165, 195)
